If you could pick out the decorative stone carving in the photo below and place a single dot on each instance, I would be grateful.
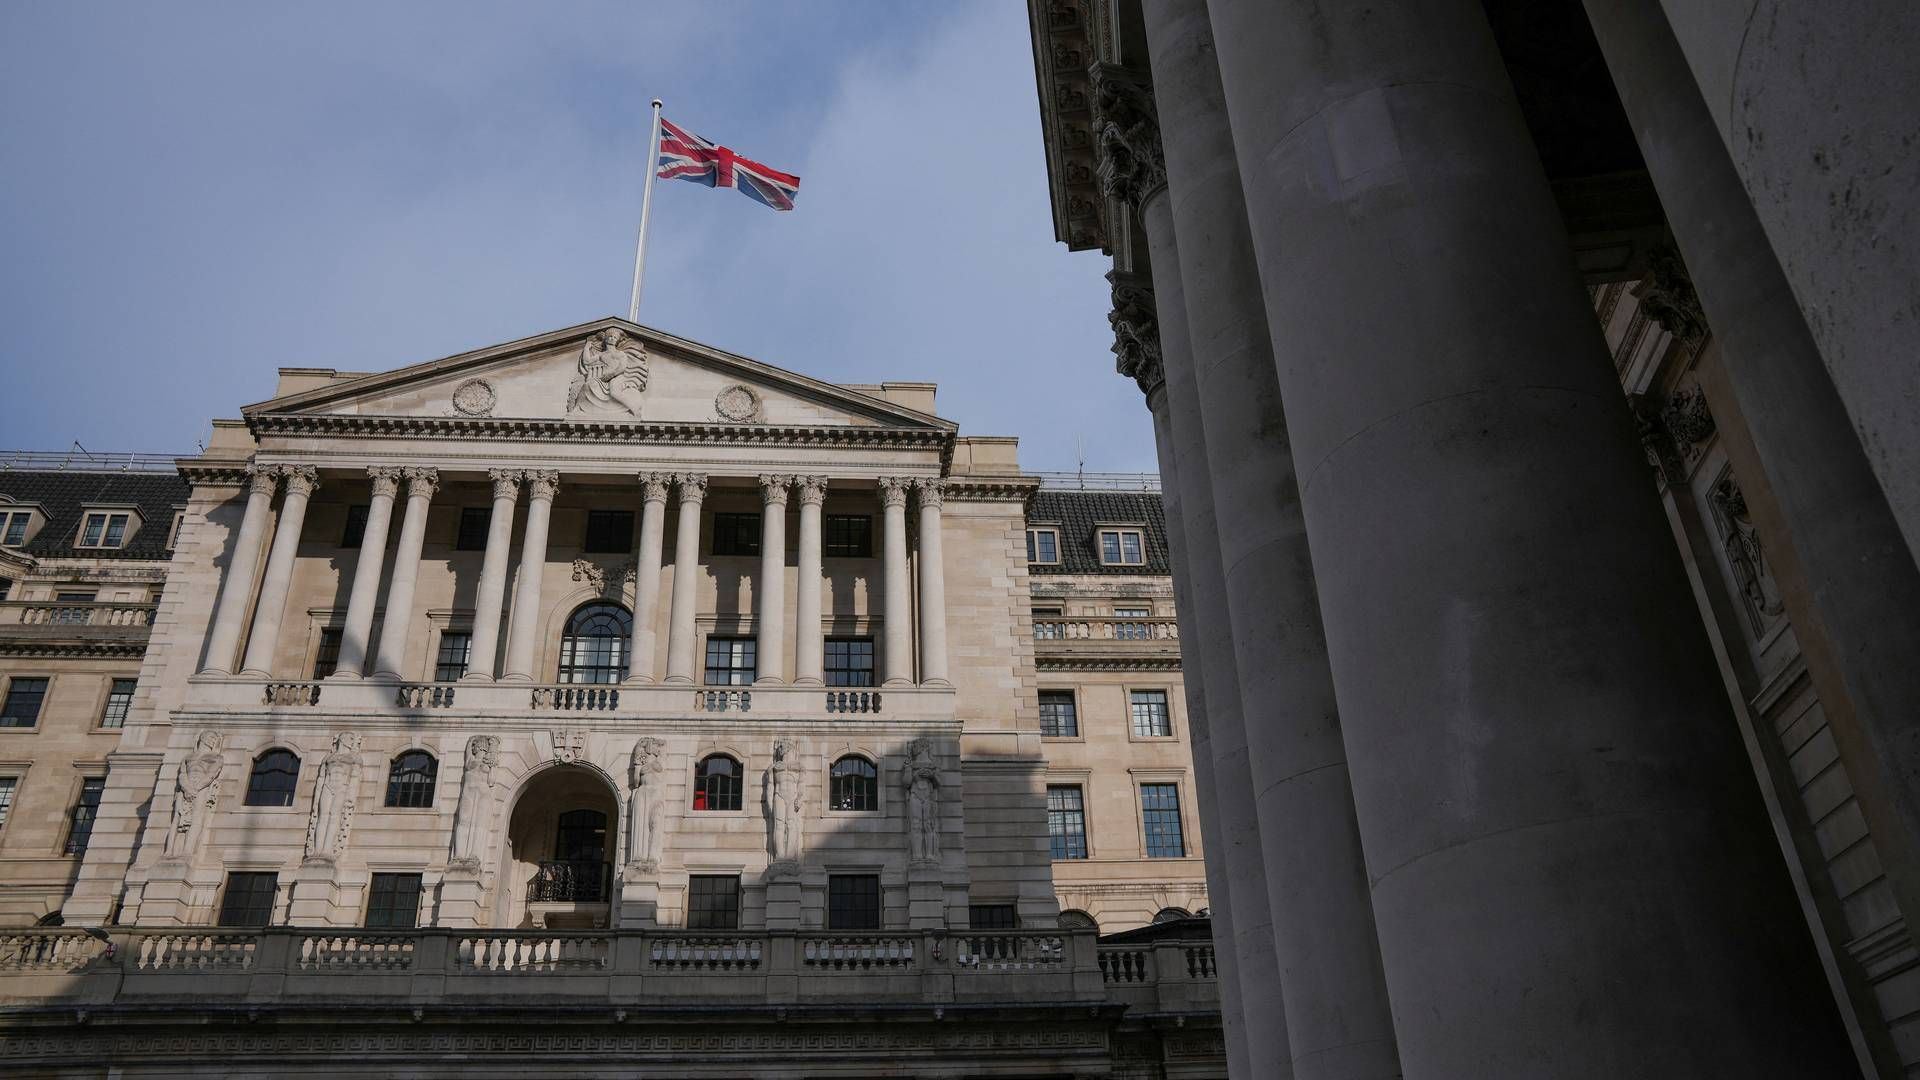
(506, 482)
(1666, 295)
(475, 397)
(569, 745)
(893, 490)
(541, 483)
(1130, 163)
(196, 790)
(612, 375)
(473, 815)
(1740, 541)
(693, 487)
(811, 489)
(774, 489)
(386, 479)
(930, 491)
(600, 580)
(785, 801)
(1136, 331)
(301, 479)
(643, 805)
(334, 794)
(738, 403)
(653, 486)
(263, 479)
(1688, 419)
(421, 481)
(921, 779)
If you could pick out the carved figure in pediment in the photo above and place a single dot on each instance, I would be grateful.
(473, 816)
(612, 377)
(922, 781)
(196, 787)
(333, 799)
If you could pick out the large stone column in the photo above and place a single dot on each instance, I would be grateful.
(646, 577)
(681, 636)
(1572, 873)
(809, 637)
(770, 591)
(1339, 1023)
(490, 595)
(265, 636)
(899, 630)
(933, 585)
(394, 624)
(223, 639)
(522, 649)
(358, 630)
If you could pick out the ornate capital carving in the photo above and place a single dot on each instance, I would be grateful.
(654, 485)
(1136, 330)
(813, 489)
(386, 480)
(1667, 296)
(301, 479)
(263, 479)
(893, 490)
(1131, 165)
(421, 481)
(1688, 417)
(506, 483)
(542, 483)
(931, 492)
(774, 488)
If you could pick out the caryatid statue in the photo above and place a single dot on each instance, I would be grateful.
(196, 788)
(921, 779)
(473, 815)
(785, 801)
(643, 805)
(613, 375)
(334, 792)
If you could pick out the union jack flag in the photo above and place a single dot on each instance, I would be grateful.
(686, 156)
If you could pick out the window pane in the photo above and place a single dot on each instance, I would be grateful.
(248, 900)
(119, 700)
(22, 707)
(116, 530)
(326, 659)
(356, 530)
(736, 534)
(849, 661)
(1057, 716)
(451, 663)
(85, 809)
(853, 902)
(716, 784)
(609, 531)
(1047, 625)
(7, 785)
(1130, 547)
(855, 784)
(594, 649)
(275, 774)
(992, 917)
(393, 901)
(1066, 821)
(1049, 546)
(474, 522)
(1110, 547)
(713, 902)
(17, 529)
(848, 536)
(95, 523)
(1160, 807)
(730, 661)
(1150, 716)
(410, 779)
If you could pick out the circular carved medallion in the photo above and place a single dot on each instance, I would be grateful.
(475, 397)
(737, 403)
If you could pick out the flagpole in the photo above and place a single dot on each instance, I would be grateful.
(646, 208)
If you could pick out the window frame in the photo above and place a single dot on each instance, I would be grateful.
(104, 540)
(1065, 852)
(846, 546)
(841, 917)
(441, 665)
(173, 529)
(469, 516)
(829, 673)
(707, 916)
(1049, 615)
(353, 532)
(10, 785)
(226, 914)
(569, 664)
(107, 706)
(1178, 810)
(1073, 712)
(736, 534)
(733, 669)
(40, 705)
(404, 785)
(24, 516)
(1120, 533)
(704, 796)
(326, 651)
(255, 771)
(1166, 703)
(607, 532)
(1001, 915)
(1033, 545)
(395, 908)
(853, 779)
(83, 815)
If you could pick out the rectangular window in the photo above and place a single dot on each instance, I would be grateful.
(22, 706)
(356, 529)
(730, 661)
(7, 786)
(393, 902)
(119, 700)
(451, 661)
(104, 531)
(74, 615)
(1122, 547)
(1150, 717)
(1132, 631)
(85, 809)
(713, 902)
(1043, 545)
(16, 527)
(474, 523)
(609, 532)
(736, 534)
(1057, 717)
(849, 662)
(1067, 821)
(1047, 625)
(173, 530)
(992, 917)
(327, 658)
(847, 536)
(853, 901)
(1160, 813)
(248, 900)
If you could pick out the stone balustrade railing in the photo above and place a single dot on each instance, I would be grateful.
(65, 614)
(1105, 628)
(1164, 976)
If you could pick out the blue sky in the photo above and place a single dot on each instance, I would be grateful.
(196, 194)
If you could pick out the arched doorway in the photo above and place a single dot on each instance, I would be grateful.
(561, 844)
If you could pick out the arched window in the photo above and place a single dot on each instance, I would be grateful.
(275, 774)
(856, 784)
(1170, 914)
(1077, 920)
(716, 783)
(594, 648)
(410, 779)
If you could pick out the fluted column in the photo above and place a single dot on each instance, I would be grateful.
(646, 576)
(224, 637)
(366, 574)
(899, 652)
(491, 594)
(421, 484)
(809, 640)
(686, 568)
(933, 585)
(770, 592)
(265, 638)
(541, 485)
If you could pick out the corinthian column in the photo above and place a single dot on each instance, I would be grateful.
(646, 579)
(809, 640)
(533, 564)
(933, 585)
(899, 657)
(301, 483)
(366, 574)
(686, 567)
(770, 593)
(491, 594)
(224, 637)
(421, 484)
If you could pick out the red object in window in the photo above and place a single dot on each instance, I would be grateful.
(699, 798)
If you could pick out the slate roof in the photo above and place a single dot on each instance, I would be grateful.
(1077, 512)
(63, 493)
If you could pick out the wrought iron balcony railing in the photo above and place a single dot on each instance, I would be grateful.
(571, 882)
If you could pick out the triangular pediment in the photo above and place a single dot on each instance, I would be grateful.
(610, 370)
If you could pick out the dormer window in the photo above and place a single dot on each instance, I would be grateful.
(1043, 546)
(13, 527)
(105, 529)
(1122, 547)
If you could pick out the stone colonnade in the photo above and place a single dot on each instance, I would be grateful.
(521, 661)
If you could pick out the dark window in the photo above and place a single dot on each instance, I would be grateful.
(730, 661)
(1150, 717)
(24, 698)
(16, 526)
(474, 522)
(992, 917)
(119, 700)
(713, 902)
(356, 529)
(72, 609)
(410, 779)
(609, 531)
(1132, 631)
(1170, 914)
(1057, 716)
(736, 534)
(1121, 547)
(849, 661)
(847, 536)
(85, 810)
(1067, 821)
(1047, 625)
(1160, 810)
(580, 836)
(326, 659)
(451, 662)
(856, 784)
(248, 900)
(1043, 546)
(275, 774)
(7, 786)
(393, 902)
(594, 648)
(104, 530)
(853, 901)
(716, 784)
(1077, 920)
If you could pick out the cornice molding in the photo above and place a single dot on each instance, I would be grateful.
(590, 432)
(1012, 489)
(73, 650)
(1082, 662)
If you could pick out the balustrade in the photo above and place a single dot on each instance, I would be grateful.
(530, 952)
(356, 952)
(424, 696)
(580, 698)
(723, 700)
(1009, 951)
(851, 701)
(1124, 965)
(705, 953)
(48, 951)
(74, 613)
(195, 951)
(857, 952)
(1105, 628)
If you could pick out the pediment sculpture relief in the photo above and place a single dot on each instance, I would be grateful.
(612, 376)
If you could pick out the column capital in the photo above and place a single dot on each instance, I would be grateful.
(654, 485)
(421, 481)
(506, 482)
(812, 489)
(930, 491)
(386, 480)
(1130, 164)
(693, 487)
(541, 483)
(893, 490)
(263, 479)
(774, 488)
(301, 479)
(1136, 330)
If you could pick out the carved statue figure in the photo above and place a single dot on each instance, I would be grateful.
(1741, 541)
(333, 799)
(643, 806)
(613, 375)
(784, 804)
(196, 788)
(922, 782)
(473, 815)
